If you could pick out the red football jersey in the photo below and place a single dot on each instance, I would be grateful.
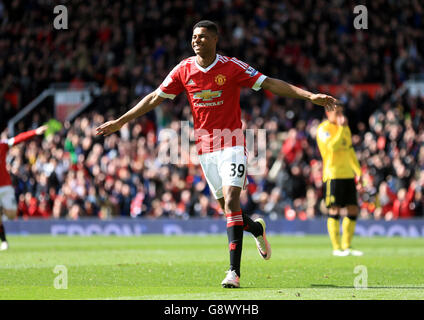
(4, 147)
(214, 96)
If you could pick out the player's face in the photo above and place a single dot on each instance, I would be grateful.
(203, 41)
(332, 115)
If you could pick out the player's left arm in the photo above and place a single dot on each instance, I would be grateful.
(353, 159)
(354, 163)
(284, 89)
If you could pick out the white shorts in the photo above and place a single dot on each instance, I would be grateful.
(226, 167)
(7, 198)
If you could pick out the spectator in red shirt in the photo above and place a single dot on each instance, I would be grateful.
(395, 205)
(292, 147)
(403, 205)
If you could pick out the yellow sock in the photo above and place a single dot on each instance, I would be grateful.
(333, 226)
(348, 226)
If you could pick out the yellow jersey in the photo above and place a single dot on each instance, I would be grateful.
(338, 156)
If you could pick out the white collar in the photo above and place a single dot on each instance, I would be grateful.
(209, 67)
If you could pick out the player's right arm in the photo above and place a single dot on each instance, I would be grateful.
(170, 87)
(148, 103)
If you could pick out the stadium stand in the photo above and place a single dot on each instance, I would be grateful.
(128, 47)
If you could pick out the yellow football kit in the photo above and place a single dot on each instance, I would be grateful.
(340, 165)
(338, 156)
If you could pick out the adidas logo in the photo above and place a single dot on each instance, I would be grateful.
(190, 82)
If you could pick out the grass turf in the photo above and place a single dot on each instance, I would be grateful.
(192, 267)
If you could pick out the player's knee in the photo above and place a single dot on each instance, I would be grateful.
(334, 212)
(221, 202)
(231, 198)
(232, 203)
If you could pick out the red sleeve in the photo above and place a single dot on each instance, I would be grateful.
(396, 209)
(172, 85)
(247, 76)
(410, 195)
(22, 137)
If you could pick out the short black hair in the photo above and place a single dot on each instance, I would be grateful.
(210, 25)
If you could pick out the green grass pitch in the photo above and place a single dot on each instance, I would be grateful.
(192, 267)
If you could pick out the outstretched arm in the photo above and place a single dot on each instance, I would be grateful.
(146, 104)
(26, 135)
(284, 89)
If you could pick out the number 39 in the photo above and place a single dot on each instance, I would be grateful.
(240, 170)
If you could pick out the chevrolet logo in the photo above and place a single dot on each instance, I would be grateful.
(207, 95)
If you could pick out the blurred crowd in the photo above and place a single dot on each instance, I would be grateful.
(128, 47)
